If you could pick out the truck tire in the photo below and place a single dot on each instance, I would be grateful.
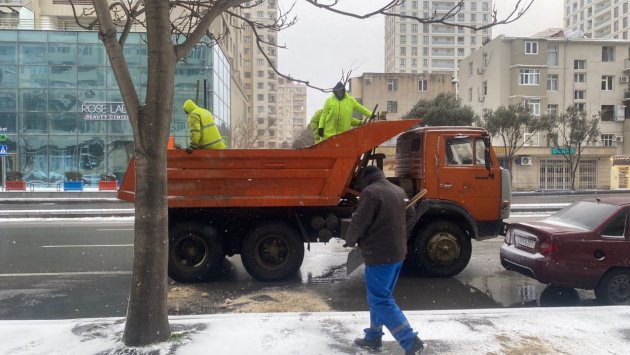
(614, 287)
(272, 252)
(439, 249)
(195, 252)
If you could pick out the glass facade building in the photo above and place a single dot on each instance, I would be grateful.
(61, 109)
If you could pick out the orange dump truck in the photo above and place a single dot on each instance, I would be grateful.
(264, 204)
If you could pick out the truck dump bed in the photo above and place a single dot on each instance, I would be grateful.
(312, 176)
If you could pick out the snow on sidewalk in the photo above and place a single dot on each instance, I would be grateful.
(592, 330)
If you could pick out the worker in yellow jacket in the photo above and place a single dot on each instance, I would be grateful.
(315, 125)
(204, 133)
(336, 116)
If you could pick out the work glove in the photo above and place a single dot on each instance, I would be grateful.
(189, 150)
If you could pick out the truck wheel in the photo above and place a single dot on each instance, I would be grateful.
(272, 252)
(614, 287)
(440, 249)
(194, 253)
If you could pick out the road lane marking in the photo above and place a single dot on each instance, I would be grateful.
(86, 245)
(113, 229)
(77, 273)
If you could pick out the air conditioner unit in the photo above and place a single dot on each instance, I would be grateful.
(526, 160)
(623, 79)
(619, 139)
(480, 71)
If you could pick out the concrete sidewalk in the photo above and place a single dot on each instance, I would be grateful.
(539, 331)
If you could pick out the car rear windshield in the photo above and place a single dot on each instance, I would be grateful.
(586, 214)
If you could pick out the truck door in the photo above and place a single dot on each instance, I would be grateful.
(463, 177)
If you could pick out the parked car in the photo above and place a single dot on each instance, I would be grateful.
(585, 245)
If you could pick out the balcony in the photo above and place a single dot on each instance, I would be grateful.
(626, 97)
(626, 65)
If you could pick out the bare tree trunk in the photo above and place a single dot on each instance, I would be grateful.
(147, 316)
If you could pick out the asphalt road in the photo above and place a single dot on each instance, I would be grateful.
(78, 269)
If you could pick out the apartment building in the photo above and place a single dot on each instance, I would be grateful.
(291, 110)
(550, 74)
(597, 18)
(397, 93)
(414, 47)
(261, 81)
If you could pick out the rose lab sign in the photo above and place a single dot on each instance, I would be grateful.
(104, 111)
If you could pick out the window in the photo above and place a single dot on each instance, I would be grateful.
(403, 62)
(260, 97)
(403, 27)
(534, 106)
(484, 88)
(459, 151)
(392, 106)
(579, 64)
(552, 109)
(552, 55)
(607, 112)
(403, 39)
(616, 228)
(260, 73)
(607, 82)
(580, 106)
(552, 82)
(414, 28)
(608, 54)
(392, 84)
(529, 77)
(403, 51)
(531, 139)
(579, 78)
(423, 85)
(470, 69)
(531, 47)
(607, 140)
(579, 94)
(414, 39)
(414, 51)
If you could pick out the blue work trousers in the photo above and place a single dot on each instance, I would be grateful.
(380, 281)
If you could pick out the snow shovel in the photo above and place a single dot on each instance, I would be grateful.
(355, 259)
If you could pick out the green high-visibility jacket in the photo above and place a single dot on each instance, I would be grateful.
(204, 133)
(315, 125)
(336, 116)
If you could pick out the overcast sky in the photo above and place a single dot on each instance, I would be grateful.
(322, 44)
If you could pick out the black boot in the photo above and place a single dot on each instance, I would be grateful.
(416, 348)
(373, 344)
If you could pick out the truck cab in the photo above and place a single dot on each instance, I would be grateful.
(468, 194)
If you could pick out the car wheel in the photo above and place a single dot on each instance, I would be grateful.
(614, 287)
(195, 252)
(272, 252)
(440, 249)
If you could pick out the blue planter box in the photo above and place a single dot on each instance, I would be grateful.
(73, 186)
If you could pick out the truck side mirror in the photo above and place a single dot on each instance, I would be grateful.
(486, 151)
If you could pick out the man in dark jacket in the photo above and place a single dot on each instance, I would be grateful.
(379, 226)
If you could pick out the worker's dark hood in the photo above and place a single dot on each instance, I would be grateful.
(371, 174)
(339, 90)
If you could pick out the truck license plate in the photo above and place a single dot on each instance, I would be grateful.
(524, 242)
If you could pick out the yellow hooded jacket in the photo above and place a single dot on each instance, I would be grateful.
(315, 125)
(204, 133)
(336, 116)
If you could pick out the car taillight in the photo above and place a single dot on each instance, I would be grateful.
(548, 246)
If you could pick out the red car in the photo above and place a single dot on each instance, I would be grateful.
(585, 245)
